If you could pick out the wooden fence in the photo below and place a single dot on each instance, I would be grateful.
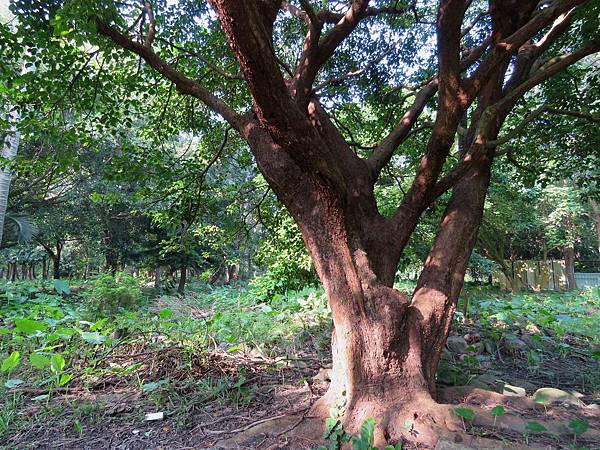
(534, 275)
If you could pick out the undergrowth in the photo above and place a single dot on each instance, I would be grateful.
(55, 337)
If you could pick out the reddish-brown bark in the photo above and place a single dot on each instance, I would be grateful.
(386, 347)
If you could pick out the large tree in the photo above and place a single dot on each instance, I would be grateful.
(295, 62)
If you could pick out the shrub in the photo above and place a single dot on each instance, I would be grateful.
(288, 264)
(110, 294)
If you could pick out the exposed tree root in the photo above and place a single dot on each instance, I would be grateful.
(421, 422)
(477, 396)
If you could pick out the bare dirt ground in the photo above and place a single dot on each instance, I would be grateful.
(221, 400)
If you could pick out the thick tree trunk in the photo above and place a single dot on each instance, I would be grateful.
(386, 348)
(569, 256)
(378, 367)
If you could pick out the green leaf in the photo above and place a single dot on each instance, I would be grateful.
(93, 337)
(535, 427)
(57, 363)
(330, 426)
(152, 386)
(11, 362)
(367, 431)
(13, 383)
(39, 398)
(98, 325)
(235, 348)
(39, 361)
(497, 411)
(579, 426)
(465, 413)
(61, 287)
(29, 326)
(64, 379)
(165, 313)
(131, 368)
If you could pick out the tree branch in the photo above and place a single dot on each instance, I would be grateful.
(205, 61)
(352, 74)
(505, 45)
(528, 56)
(294, 11)
(450, 17)
(315, 53)
(475, 21)
(534, 115)
(151, 25)
(183, 84)
(551, 68)
(333, 17)
(383, 153)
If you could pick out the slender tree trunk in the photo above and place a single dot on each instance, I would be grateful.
(13, 275)
(214, 277)
(226, 272)
(157, 274)
(182, 280)
(232, 273)
(56, 260)
(569, 257)
(112, 262)
(596, 216)
(512, 278)
(56, 267)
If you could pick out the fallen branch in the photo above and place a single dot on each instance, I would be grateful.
(246, 427)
